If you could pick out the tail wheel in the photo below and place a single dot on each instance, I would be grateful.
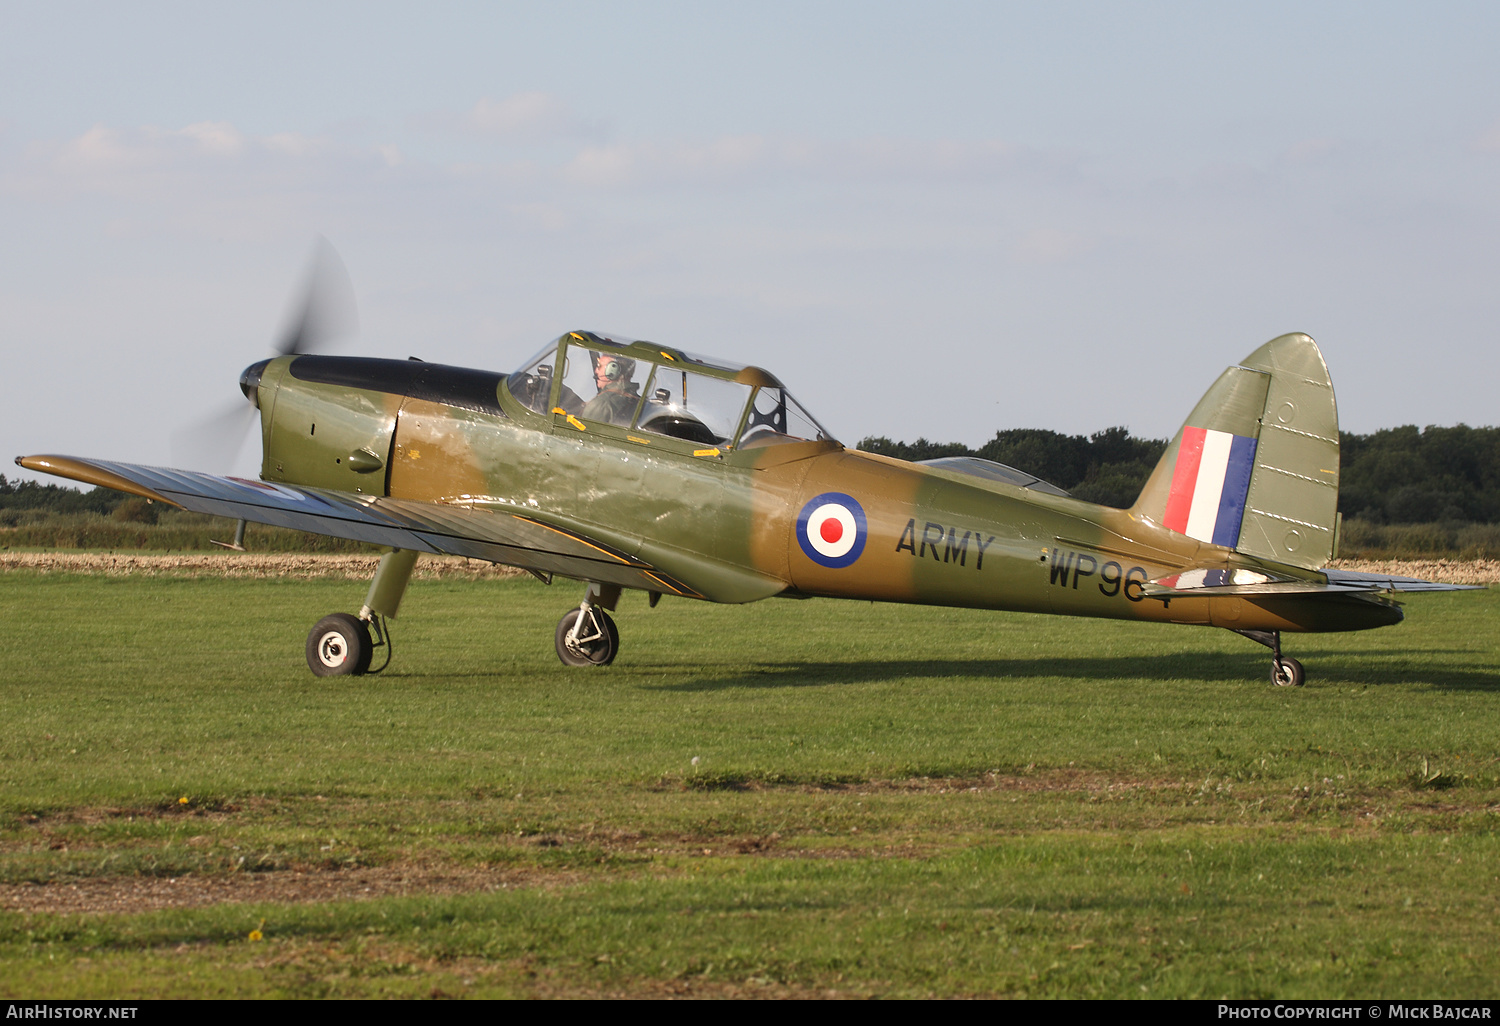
(597, 641)
(1286, 672)
(338, 646)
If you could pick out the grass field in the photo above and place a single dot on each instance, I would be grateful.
(790, 798)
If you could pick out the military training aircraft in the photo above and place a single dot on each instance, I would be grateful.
(623, 463)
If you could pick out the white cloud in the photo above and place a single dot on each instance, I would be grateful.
(109, 150)
(208, 178)
(747, 157)
(217, 137)
(100, 148)
(530, 114)
(226, 182)
(520, 118)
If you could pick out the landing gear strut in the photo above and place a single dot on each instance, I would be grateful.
(1286, 672)
(587, 636)
(343, 645)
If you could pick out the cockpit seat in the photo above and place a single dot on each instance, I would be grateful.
(681, 425)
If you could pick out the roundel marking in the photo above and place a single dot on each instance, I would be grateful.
(271, 487)
(831, 530)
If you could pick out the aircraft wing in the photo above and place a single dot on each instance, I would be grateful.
(1206, 582)
(511, 538)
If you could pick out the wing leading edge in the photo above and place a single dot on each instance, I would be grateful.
(514, 539)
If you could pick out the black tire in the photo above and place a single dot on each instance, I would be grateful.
(598, 650)
(338, 646)
(1287, 673)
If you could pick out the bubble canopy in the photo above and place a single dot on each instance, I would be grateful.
(607, 378)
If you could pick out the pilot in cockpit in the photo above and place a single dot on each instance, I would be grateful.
(618, 394)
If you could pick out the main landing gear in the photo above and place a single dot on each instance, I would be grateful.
(1286, 672)
(340, 644)
(343, 645)
(587, 636)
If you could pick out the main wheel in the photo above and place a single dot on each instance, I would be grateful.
(598, 639)
(339, 645)
(1287, 673)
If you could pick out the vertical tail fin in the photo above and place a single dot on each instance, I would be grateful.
(1256, 466)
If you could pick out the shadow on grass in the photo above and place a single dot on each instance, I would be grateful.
(1372, 669)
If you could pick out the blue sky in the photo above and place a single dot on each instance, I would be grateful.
(939, 220)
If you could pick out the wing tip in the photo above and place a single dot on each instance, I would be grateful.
(89, 473)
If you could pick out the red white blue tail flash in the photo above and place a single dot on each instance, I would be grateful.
(1209, 485)
(831, 530)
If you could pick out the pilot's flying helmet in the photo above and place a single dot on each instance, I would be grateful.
(615, 367)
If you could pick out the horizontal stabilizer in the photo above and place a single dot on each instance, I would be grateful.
(1390, 582)
(1207, 582)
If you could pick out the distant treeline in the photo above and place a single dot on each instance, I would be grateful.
(1108, 467)
(17, 495)
(1405, 476)
(1399, 475)
(56, 516)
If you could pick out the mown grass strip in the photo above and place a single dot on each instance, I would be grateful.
(885, 800)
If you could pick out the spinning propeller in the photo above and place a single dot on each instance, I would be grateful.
(327, 310)
(324, 311)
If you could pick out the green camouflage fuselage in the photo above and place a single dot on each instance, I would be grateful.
(725, 521)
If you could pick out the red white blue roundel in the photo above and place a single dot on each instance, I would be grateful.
(831, 530)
